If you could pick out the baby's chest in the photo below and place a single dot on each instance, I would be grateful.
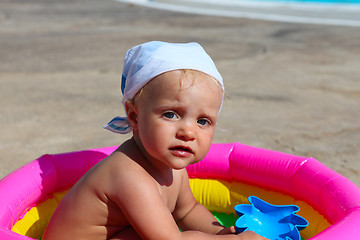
(169, 195)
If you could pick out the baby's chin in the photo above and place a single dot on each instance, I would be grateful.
(182, 164)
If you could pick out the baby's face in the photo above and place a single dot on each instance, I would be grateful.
(176, 117)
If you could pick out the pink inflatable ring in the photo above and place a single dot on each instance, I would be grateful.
(228, 175)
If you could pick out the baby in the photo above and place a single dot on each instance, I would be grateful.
(172, 97)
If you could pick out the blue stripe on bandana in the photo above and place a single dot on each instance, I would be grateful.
(119, 125)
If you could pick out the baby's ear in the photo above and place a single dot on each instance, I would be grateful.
(131, 112)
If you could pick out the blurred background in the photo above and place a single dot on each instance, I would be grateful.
(291, 86)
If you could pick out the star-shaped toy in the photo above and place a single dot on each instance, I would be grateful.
(275, 222)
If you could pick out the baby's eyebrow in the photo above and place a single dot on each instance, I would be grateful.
(174, 107)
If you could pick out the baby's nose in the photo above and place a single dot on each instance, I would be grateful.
(186, 133)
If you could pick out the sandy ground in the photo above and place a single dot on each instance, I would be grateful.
(290, 87)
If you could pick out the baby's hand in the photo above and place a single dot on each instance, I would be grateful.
(247, 235)
(229, 230)
(250, 235)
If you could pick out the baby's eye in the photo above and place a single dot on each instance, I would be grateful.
(170, 115)
(203, 122)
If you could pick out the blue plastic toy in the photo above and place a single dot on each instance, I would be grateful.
(270, 221)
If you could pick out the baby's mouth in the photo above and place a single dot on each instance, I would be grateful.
(182, 149)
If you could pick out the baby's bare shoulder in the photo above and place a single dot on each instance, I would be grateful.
(117, 169)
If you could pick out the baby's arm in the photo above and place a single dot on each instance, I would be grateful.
(138, 196)
(200, 219)
(139, 199)
(190, 215)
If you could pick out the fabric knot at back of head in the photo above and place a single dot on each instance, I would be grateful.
(144, 62)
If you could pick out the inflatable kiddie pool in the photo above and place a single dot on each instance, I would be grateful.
(228, 175)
